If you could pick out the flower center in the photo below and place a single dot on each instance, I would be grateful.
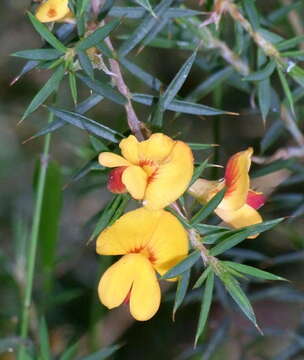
(51, 13)
(145, 251)
(115, 184)
(150, 168)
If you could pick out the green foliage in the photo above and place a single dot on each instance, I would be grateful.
(253, 54)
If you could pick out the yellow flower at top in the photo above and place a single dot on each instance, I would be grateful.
(240, 203)
(150, 242)
(54, 10)
(157, 170)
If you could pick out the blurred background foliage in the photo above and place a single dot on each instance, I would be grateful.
(242, 80)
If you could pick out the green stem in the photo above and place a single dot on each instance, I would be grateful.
(33, 243)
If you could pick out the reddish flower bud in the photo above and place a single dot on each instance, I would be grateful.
(115, 184)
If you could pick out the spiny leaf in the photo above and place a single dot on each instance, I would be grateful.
(264, 97)
(73, 86)
(46, 34)
(286, 89)
(182, 286)
(141, 74)
(250, 270)
(85, 63)
(262, 74)
(183, 266)
(85, 123)
(197, 146)
(184, 107)
(199, 282)
(143, 29)
(50, 86)
(97, 36)
(238, 295)
(132, 12)
(205, 307)
(103, 89)
(206, 210)
(209, 84)
(38, 54)
(146, 5)
(242, 234)
(198, 171)
(177, 82)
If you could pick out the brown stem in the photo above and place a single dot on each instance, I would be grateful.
(134, 124)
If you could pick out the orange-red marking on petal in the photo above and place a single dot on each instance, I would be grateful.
(255, 199)
(52, 13)
(115, 184)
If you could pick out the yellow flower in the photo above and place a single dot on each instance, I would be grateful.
(157, 170)
(239, 205)
(54, 10)
(150, 242)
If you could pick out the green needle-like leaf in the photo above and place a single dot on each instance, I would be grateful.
(183, 266)
(243, 234)
(250, 270)
(46, 34)
(49, 87)
(38, 54)
(206, 210)
(103, 89)
(182, 286)
(87, 124)
(97, 36)
(205, 307)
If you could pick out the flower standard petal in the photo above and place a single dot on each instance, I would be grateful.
(130, 233)
(110, 160)
(116, 282)
(145, 293)
(171, 178)
(52, 10)
(157, 148)
(135, 179)
(237, 180)
(168, 243)
(245, 216)
(129, 149)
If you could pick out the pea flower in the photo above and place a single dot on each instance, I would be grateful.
(54, 10)
(150, 242)
(157, 170)
(239, 205)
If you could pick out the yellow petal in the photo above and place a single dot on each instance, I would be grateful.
(52, 10)
(109, 159)
(129, 149)
(168, 244)
(133, 273)
(237, 180)
(245, 216)
(171, 179)
(157, 148)
(129, 233)
(135, 180)
(145, 294)
(116, 282)
(203, 190)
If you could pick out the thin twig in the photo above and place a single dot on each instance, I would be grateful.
(135, 125)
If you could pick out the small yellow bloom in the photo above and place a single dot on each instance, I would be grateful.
(150, 242)
(239, 205)
(54, 10)
(157, 170)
